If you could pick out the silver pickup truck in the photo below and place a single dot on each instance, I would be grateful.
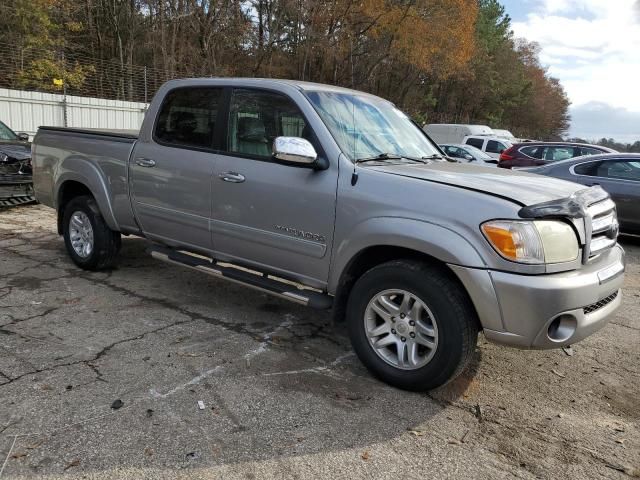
(334, 198)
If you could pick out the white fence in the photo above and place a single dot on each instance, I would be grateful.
(26, 111)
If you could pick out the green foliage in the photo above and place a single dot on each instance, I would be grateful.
(40, 74)
(505, 85)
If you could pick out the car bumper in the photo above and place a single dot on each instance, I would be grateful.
(547, 311)
(15, 190)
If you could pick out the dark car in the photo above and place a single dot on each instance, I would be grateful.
(532, 154)
(618, 174)
(15, 167)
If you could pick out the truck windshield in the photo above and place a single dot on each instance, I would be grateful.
(366, 127)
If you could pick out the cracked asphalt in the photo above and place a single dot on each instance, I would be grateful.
(284, 396)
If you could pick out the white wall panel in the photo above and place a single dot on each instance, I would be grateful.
(25, 111)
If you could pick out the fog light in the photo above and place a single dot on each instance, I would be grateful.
(562, 328)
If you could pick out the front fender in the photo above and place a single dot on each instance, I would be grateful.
(437, 241)
(81, 170)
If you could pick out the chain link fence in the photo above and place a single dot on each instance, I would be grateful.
(67, 73)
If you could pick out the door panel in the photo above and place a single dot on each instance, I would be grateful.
(172, 200)
(171, 175)
(279, 217)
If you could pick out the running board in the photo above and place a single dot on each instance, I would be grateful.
(263, 283)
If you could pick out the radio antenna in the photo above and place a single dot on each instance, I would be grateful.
(354, 175)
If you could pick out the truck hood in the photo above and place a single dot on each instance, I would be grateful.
(15, 150)
(15, 160)
(520, 187)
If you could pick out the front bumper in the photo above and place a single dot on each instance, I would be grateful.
(546, 311)
(15, 189)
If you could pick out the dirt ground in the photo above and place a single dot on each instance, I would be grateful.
(284, 396)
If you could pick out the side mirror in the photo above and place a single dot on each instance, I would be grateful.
(23, 136)
(468, 157)
(294, 150)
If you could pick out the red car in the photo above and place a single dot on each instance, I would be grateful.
(533, 154)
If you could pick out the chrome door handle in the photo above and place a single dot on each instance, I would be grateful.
(145, 162)
(232, 177)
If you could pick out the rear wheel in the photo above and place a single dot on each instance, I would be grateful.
(91, 244)
(411, 324)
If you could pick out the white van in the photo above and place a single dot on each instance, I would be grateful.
(454, 133)
(492, 146)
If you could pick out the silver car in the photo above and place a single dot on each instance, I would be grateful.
(468, 154)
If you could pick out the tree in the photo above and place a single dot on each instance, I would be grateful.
(504, 85)
(439, 60)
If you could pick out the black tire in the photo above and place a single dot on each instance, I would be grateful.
(106, 242)
(455, 316)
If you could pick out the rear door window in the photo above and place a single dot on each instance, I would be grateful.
(589, 151)
(495, 147)
(453, 151)
(188, 117)
(590, 169)
(557, 153)
(620, 169)
(533, 151)
(476, 142)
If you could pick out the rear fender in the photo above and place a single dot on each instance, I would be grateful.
(81, 170)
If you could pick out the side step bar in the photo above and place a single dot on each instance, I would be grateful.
(285, 290)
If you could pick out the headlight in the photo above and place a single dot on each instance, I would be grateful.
(533, 242)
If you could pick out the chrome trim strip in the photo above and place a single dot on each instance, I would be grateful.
(601, 227)
(603, 223)
(599, 244)
(599, 208)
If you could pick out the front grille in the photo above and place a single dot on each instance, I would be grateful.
(604, 227)
(15, 167)
(602, 303)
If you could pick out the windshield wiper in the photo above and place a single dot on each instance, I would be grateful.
(391, 156)
(381, 156)
(435, 156)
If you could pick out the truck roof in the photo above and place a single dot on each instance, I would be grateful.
(264, 82)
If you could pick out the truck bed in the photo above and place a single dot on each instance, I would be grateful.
(67, 157)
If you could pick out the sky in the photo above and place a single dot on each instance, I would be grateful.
(593, 47)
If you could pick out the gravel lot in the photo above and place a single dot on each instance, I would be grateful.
(284, 396)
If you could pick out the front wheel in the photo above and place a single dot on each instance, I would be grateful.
(91, 244)
(411, 324)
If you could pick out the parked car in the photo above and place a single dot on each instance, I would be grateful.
(492, 146)
(15, 167)
(468, 154)
(531, 154)
(618, 174)
(454, 133)
(330, 197)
